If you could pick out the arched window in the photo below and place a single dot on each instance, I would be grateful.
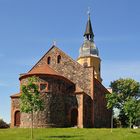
(49, 60)
(58, 59)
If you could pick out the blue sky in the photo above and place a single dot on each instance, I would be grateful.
(28, 28)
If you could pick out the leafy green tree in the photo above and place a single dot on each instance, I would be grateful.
(112, 102)
(132, 110)
(123, 118)
(125, 89)
(31, 100)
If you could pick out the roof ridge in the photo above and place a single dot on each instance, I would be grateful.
(59, 50)
(41, 58)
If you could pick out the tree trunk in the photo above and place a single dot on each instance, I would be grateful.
(130, 122)
(32, 125)
(111, 120)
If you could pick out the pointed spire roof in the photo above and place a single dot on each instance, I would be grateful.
(89, 27)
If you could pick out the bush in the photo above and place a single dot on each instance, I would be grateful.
(3, 124)
(116, 123)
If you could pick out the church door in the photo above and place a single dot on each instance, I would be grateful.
(17, 118)
(74, 117)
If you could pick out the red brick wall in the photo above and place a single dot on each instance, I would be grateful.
(102, 115)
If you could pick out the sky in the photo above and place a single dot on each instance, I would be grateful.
(29, 27)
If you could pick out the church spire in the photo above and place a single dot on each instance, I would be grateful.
(89, 33)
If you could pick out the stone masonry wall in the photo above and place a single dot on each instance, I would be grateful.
(75, 72)
(15, 106)
(69, 68)
(58, 101)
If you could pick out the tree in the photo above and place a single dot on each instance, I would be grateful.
(112, 101)
(3, 124)
(31, 99)
(132, 110)
(125, 89)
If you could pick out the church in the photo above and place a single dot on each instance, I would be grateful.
(74, 94)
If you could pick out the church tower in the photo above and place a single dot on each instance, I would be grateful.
(88, 52)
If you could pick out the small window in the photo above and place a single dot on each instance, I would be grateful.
(58, 59)
(49, 60)
(43, 87)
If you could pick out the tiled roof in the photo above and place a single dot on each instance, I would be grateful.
(45, 69)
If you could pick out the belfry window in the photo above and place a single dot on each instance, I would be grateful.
(58, 59)
(49, 60)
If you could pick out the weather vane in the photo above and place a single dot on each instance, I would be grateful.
(88, 12)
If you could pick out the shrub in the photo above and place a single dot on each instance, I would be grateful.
(3, 124)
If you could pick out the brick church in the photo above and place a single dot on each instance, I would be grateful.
(74, 94)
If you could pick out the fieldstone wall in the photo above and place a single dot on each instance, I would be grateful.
(15, 103)
(72, 70)
(58, 101)
(102, 115)
(15, 106)
(69, 68)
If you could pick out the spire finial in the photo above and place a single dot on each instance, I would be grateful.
(54, 43)
(88, 12)
(88, 33)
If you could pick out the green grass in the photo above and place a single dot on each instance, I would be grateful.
(70, 134)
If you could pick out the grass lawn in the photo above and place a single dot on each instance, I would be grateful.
(70, 134)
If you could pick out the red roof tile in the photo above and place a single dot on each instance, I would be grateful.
(43, 70)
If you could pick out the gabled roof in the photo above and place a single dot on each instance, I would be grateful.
(41, 58)
(61, 52)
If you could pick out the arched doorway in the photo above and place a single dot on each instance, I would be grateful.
(17, 118)
(74, 117)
